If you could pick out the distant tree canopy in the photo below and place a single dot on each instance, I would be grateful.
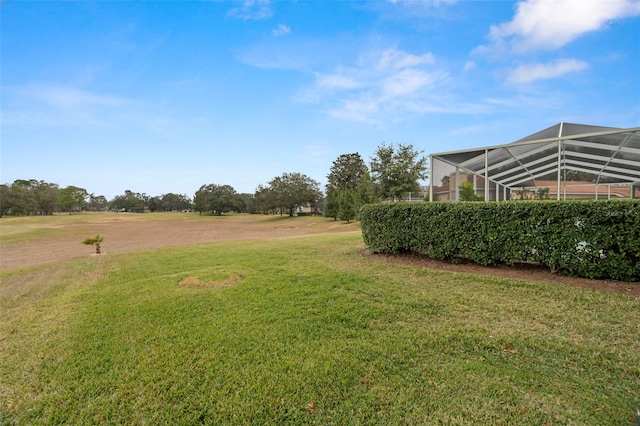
(265, 200)
(5, 207)
(29, 197)
(245, 203)
(97, 203)
(289, 191)
(130, 202)
(217, 199)
(26, 197)
(174, 202)
(72, 199)
(396, 171)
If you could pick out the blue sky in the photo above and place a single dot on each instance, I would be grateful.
(164, 96)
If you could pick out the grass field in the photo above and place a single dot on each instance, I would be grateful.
(306, 330)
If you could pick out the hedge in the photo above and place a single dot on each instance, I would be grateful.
(592, 239)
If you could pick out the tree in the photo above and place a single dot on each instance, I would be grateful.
(5, 205)
(47, 195)
(396, 172)
(20, 200)
(265, 199)
(174, 202)
(467, 193)
(222, 199)
(348, 173)
(217, 199)
(94, 241)
(365, 194)
(184, 202)
(331, 203)
(201, 200)
(37, 197)
(34, 197)
(97, 203)
(347, 205)
(245, 203)
(292, 190)
(130, 202)
(72, 198)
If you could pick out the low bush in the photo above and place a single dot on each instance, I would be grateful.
(593, 239)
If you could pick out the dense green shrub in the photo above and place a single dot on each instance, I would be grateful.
(594, 239)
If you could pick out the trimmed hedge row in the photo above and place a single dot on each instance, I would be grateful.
(593, 239)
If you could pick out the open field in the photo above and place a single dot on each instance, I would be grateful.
(28, 241)
(294, 331)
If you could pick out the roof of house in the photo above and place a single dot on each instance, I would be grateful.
(609, 154)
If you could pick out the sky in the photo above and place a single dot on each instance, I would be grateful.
(166, 96)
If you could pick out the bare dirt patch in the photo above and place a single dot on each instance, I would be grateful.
(195, 282)
(521, 272)
(124, 232)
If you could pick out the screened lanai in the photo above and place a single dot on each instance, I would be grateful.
(565, 161)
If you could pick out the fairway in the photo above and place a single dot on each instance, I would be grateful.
(290, 324)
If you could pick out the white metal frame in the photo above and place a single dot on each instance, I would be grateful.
(614, 153)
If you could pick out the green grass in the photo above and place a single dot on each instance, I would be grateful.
(312, 333)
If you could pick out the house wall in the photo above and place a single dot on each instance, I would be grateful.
(570, 190)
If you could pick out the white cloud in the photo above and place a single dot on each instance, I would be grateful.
(551, 24)
(66, 97)
(361, 110)
(392, 59)
(408, 82)
(336, 81)
(389, 76)
(380, 86)
(287, 53)
(53, 105)
(422, 6)
(281, 30)
(532, 72)
(374, 86)
(252, 10)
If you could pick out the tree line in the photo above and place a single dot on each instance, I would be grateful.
(393, 172)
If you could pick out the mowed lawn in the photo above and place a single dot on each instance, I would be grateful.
(306, 330)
